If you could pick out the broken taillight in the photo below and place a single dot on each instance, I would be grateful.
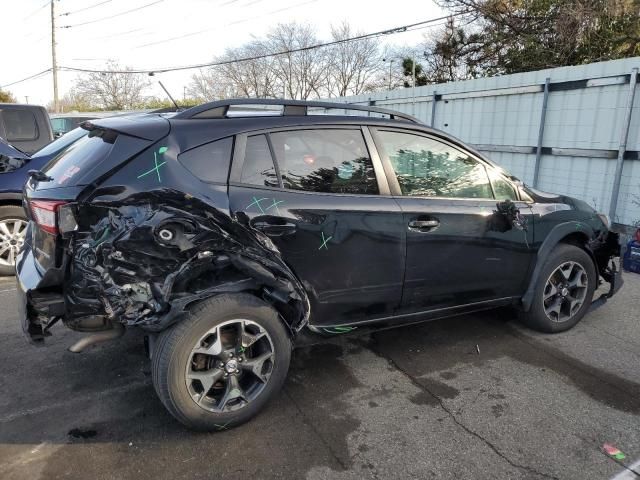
(45, 214)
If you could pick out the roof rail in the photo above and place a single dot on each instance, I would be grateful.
(220, 108)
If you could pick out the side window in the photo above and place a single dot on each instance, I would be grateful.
(427, 167)
(329, 160)
(209, 162)
(20, 125)
(57, 124)
(503, 189)
(258, 168)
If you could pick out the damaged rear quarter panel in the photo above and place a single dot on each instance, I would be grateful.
(150, 242)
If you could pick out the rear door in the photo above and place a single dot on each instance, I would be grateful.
(325, 205)
(460, 249)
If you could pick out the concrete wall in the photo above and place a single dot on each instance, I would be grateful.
(584, 118)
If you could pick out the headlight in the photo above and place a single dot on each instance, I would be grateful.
(605, 219)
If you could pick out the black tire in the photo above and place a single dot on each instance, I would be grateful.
(10, 213)
(536, 318)
(173, 353)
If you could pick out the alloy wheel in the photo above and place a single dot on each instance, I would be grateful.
(230, 366)
(565, 291)
(12, 235)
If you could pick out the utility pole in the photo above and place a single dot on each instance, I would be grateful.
(413, 90)
(390, 60)
(54, 65)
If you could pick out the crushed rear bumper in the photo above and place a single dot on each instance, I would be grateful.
(39, 305)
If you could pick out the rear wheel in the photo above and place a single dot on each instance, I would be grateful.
(13, 226)
(564, 290)
(222, 364)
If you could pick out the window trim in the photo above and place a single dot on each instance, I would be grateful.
(498, 175)
(393, 180)
(240, 151)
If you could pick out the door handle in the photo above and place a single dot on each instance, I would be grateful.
(423, 225)
(275, 229)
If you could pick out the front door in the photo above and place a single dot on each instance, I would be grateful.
(461, 249)
(321, 205)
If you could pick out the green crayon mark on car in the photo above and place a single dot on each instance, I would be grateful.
(157, 165)
(324, 242)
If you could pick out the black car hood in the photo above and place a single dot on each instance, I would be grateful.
(7, 150)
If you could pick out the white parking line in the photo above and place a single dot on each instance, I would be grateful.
(8, 290)
(629, 472)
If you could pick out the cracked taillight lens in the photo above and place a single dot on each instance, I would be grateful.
(45, 214)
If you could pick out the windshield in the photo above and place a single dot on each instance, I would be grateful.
(61, 143)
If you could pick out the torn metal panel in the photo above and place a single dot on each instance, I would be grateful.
(9, 164)
(143, 260)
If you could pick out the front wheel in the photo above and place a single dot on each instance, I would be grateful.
(221, 365)
(564, 290)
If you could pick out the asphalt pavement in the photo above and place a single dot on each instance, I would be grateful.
(475, 397)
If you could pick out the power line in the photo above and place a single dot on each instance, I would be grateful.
(36, 11)
(192, 34)
(30, 77)
(380, 33)
(112, 16)
(83, 9)
(118, 34)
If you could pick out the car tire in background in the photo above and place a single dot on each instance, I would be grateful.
(564, 290)
(13, 226)
(221, 364)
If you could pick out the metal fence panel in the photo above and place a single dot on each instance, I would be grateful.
(583, 122)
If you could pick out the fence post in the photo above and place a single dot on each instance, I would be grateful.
(615, 191)
(543, 114)
(433, 109)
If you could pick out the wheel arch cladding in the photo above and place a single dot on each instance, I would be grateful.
(579, 234)
(145, 260)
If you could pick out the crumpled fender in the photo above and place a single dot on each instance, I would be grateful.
(593, 243)
(143, 260)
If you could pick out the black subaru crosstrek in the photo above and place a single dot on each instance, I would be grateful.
(233, 229)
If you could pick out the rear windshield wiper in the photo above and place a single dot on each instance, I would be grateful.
(39, 175)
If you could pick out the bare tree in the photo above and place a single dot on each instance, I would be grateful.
(75, 100)
(354, 67)
(287, 63)
(212, 84)
(112, 91)
(302, 73)
(444, 50)
(254, 77)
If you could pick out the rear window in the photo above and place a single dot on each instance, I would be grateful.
(210, 162)
(78, 157)
(20, 125)
(61, 143)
